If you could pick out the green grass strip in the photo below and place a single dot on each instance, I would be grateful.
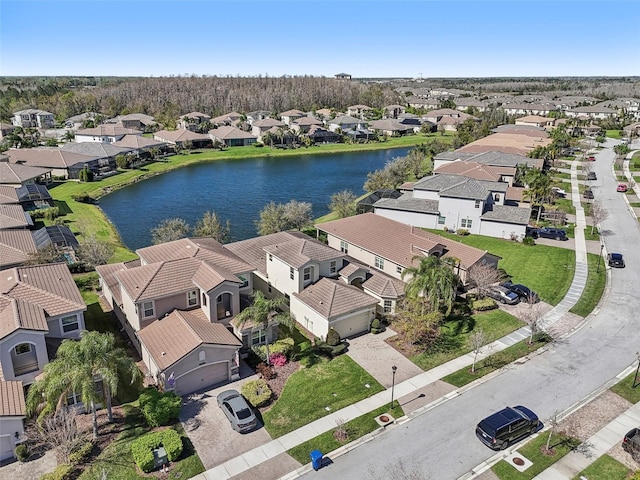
(594, 288)
(604, 468)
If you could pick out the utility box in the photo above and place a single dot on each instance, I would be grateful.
(159, 457)
(316, 459)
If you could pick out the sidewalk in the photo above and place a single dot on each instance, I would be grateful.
(278, 446)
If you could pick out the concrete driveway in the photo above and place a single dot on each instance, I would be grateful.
(209, 429)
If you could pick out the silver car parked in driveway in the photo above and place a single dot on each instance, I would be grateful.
(237, 410)
(503, 295)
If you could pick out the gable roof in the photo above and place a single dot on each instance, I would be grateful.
(474, 170)
(508, 214)
(227, 132)
(307, 121)
(12, 402)
(453, 186)
(397, 242)
(15, 247)
(268, 123)
(8, 194)
(137, 142)
(108, 273)
(47, 157)
(293, 113)
(13, 216)
(179, 135)
(332, 298)
(179, 333)
(507, 143)
(407, 202)
(389, 124)
(344, 119)
(12, 173)
(108, 130)
(297, 252)
(95, 149)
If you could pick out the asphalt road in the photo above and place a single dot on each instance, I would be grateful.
(441, 443)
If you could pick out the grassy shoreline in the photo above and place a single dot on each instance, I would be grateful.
(85, 217)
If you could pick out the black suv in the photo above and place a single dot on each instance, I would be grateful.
(555, 233)
(524, 292)
(497, 431)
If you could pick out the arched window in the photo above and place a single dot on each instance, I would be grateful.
(496, 197)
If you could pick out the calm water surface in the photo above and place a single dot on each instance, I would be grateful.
(238, 190)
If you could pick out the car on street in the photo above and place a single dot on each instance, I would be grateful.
(591, 158)
(524, 292)
(503, 295)
(588, 193)
(238, 411)
(631, 444)
(622, 187)
(499, 430)
(559, 191)
(615, 260)
(592, 176)
(555, 233)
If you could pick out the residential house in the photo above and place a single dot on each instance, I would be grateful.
(536, 121)
(182, 138)
(260, 127)
(41, 305)
(135, 121)
(479, 171)
(519, 129)
(14, 216)
(17, 174)
(232, 136)
(594, 112)
(392, 111)
(232, 119)
(319, 134)
(424, 103)
(324, 113)
(304, 124)
(15, 247)
(343, 76)
(454, 202)
(107, 133)
(537, 109)
(61, 163)
(140, 145)
(103, 155)
(515, 143)
(359, 111)
(464, 103)
(194, 121)
(257, 115)
(389, 246)
(491, 158)
(290, 116)
(77, 121)
(6, 129)
(390, 127)
(345, 122)
(13, 411)
(33, 118)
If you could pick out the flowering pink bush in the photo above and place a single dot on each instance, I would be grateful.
(278, 359)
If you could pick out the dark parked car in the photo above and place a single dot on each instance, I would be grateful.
(631, 444)
(525, 293)
(555, 233)
(497, 431)
(237, 410)
(503, 295)
(588, 193)
(592, 176)
(615, 260)
(531, 232)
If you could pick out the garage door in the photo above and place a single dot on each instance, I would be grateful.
(6, 447)
(352, 325)
(202, 377)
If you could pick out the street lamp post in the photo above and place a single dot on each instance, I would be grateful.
(393, 383)
(635, 378)
(601, 248)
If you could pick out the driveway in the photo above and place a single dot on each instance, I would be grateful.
(210, 431)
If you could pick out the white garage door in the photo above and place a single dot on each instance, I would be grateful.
(353, 325)
(202, 377)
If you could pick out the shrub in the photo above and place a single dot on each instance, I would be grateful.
(333, 337)
(528, 241)
(331, 350)
(484, 304)
(22, 452)
(376, 326)
(284, 346)
(338, 350)
(142, 448)
(462, 231)
(80, 453)
(83, 198)
(159, 408)
(257, 392)
(61, 472)
(278, 359)
(265, 371)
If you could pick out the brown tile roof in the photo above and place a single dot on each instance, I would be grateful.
(11, 173)
(8, 194)
(179, 135)
(292, 113)
(109, 129)
(15, 247)
(12, 402)
(299, 251)
(108, 273)
(137, 142)
(507, 143)
(395, 241)
(227, 132)
(304, 121)
(470, 169)
(13, 216)
(384, 285)
(170, 339)
(332, 298)
(268, 123)
(515, 194)
(203, 248)
(16, 314)
(47, 157)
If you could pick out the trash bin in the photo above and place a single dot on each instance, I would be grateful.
(316, 459)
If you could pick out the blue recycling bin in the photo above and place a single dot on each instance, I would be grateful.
(316, 459)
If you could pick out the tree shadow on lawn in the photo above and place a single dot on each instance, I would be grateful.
(457, 325)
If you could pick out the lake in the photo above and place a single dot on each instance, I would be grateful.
(238, 190)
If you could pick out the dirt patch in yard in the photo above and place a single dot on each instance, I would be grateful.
(277, 383)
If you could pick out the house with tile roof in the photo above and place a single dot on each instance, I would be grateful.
(345, 122)
(290, 116)
(12, 414)
(597, 112)
(193, 121)
(260, 127)
(106, 133)
(388, 246)
(359, 111)
(231, 118)
(304, 124)
(536, 121)
(390, 127)
(60, 163)
(17, 174)
(15, 247)
(33, 118)
(231, 136)
(183, 137)
(38, 304)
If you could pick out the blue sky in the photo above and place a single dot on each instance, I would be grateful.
(373, 38)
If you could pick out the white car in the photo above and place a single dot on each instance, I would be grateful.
(558, 191)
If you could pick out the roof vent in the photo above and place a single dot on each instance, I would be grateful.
(164, 353)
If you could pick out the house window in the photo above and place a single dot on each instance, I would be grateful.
(309, 323)
(70, 323)
(344, 246)
(269, 287)
(23, 348)
(465, 223)
(258, 337)
(496, 197)
(379, 263)
(192, 298)
(477, 203)
(202, 357)
(245, 281)
(398, 269)
(387, 306)
(307, 274)
(147, 309)
(332, 268)
(441, 220)
(291, 273)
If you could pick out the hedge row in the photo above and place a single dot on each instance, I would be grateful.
(142, 448)
(159, 408)
(61, 472)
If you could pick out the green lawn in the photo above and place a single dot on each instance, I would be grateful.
(604, 468)
(356, 428)
(335, 384)
(456, 333)
(565, 204)
(613, 134)
(116, 461)
(533, 451)
(495, 361)
(625, 389)
(593, 290)
(547, 270)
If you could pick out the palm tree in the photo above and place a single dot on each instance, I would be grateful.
(262, 312)
(433, 282)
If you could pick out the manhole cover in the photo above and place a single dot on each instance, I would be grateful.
(384, 418)
(518, 461)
